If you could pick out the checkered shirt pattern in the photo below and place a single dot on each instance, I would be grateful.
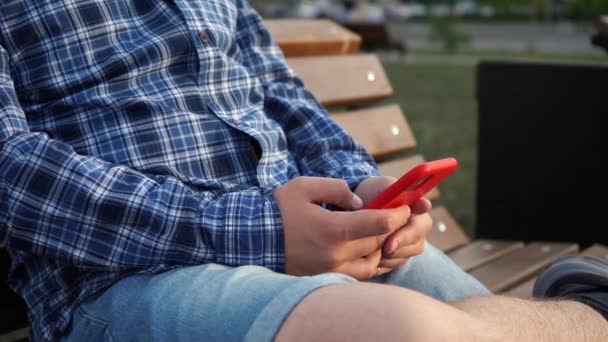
(126, 134)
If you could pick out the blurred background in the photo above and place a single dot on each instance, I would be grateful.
(430, 50)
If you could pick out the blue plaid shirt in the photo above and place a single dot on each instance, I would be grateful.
(126, 134)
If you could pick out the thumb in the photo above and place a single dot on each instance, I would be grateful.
(421, 206)
(332, 191)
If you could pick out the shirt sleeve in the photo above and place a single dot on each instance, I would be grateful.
(84, 211)
(320, 145)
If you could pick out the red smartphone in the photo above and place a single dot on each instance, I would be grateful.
(414, 184)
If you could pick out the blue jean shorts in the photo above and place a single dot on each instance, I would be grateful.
(250, 303)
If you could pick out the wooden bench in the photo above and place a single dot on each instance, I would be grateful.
(351, 84)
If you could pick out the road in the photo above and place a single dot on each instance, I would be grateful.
(551, 38)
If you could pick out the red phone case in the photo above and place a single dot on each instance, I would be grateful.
(414, 184)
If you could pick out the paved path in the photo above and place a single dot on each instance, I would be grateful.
(558, 37)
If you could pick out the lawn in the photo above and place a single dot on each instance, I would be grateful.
(438, 100)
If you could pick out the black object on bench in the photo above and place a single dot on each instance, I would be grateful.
(540, 151)
(375, 36)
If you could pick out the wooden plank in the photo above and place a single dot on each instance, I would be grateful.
(312, 37)
(523, 290)
(513, 268)
(375, 36)
(446, 233)
(596, 250)
(345, 80)
(397, 167)
(20, 335)
(482, 251)
(383, 131)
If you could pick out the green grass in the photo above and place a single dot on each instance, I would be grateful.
(439, 103)
(597, 57)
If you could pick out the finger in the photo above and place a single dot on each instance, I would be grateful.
(330, 190)
(421, 206)
(373, 186)
(407, 251)
(367, 223)
(392, 263)
(383, 270)
(361, 268)
(415, 230)
(362, 247)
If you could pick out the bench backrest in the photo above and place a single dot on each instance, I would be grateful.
(353, 86)
(504, 265)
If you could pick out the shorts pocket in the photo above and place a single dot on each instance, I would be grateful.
(86, 327)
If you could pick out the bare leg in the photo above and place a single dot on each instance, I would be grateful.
(538, 320)
(374, 312)
(371, 312)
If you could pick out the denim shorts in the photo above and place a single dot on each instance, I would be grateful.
(250, 303)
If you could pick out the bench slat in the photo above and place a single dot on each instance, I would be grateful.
(345, 80)
(596, 250)
(397, 167)
(312, 37)
(446, 233)
(19, 335)
(482, 251)
(383, 131)
(509, 270)
(523, 290)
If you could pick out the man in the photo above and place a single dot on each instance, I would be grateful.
(161, 175)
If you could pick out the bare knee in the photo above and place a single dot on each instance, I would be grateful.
(366, 312)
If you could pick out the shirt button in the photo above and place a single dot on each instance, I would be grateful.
(203, 37)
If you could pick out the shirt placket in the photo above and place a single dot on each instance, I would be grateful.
(201, 37)
(207, 54)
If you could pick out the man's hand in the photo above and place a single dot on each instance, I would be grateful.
(318, 240)
(407, 241)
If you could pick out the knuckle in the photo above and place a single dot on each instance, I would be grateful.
(341, 183)
(342, 188)
(384, 224)
(299, 182)
(407, 211)
(415, 236)
(332, 260)
(336, 184)
(337, 229)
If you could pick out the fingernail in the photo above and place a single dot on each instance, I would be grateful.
(356, 202)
